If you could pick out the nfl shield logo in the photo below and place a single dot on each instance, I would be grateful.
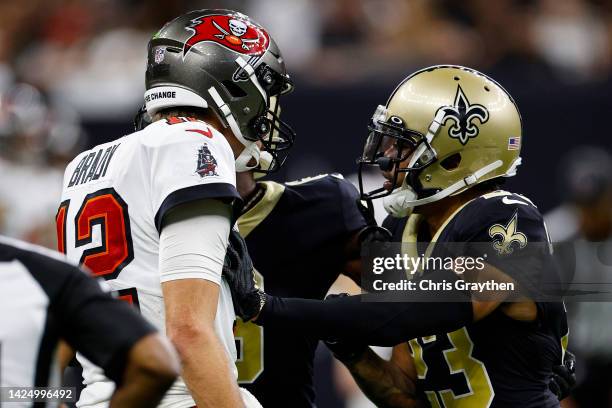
(159, 55)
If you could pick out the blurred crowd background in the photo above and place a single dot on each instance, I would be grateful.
(72, 76)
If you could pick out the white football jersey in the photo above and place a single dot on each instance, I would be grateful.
(113, 201)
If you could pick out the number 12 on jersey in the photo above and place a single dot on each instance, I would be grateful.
(106, 209)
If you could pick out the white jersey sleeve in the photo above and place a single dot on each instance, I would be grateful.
(191, 161)
(193, 242)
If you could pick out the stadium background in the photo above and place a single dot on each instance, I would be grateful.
(72, 75)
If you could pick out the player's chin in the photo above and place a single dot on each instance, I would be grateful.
(388, 185)
(252, 163)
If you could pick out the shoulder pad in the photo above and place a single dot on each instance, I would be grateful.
(500, 203)
(486, 218)
(314, 179)
(161, 133)
(324, 187)
(331, 196)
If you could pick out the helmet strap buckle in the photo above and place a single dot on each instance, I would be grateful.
(471, 179)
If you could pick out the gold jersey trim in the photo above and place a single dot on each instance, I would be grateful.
(253, 217)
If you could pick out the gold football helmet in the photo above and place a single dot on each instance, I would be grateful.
(447, 128)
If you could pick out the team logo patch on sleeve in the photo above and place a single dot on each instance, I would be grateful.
(505, 236)
(207, 164)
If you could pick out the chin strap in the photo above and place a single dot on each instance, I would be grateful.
(400, 204)
(248, 154)
(432, 131)
(251, 150)
(265, 162)
(512, 170)
(396, 203)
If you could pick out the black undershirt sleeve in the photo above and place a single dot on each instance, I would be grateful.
(376, 323)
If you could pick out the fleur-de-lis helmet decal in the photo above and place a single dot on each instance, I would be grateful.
(462, 113)
(504, 236)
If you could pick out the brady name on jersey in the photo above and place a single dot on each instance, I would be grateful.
(112, 207)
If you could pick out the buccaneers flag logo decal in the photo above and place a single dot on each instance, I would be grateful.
(231, 31)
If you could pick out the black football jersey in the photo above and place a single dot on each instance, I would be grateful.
(497, 361)
(296, 235)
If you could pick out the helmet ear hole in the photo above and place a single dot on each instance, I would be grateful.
(451, 162)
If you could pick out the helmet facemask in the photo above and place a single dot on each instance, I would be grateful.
(408, 144)
(276, 136)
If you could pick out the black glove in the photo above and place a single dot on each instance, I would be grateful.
(344, 351)
(563, 377)
(240, 275)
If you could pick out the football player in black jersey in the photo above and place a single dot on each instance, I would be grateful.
(316, 222)
(446, 137)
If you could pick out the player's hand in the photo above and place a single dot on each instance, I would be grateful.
(343, 351)
(372, 232)
(564, 377)
(239, 273)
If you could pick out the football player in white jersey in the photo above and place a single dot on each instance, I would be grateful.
(151, 212)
